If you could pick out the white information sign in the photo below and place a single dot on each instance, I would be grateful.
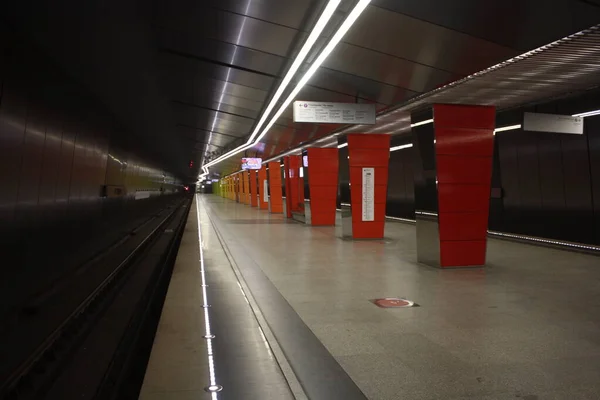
(556, 123)
(265, 191)
(334, 113)
(368, 194)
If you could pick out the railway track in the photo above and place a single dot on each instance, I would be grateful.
(131, 278)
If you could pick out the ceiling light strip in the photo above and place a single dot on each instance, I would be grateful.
(427, 121)
(507, 128)
(337, 37)
(587, 114)
(332, 5)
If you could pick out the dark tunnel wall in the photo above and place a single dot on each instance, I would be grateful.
(550, 182)
(60, 147)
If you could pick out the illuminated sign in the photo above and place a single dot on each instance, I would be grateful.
(251, 163)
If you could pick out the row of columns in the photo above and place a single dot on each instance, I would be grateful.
(452, 185)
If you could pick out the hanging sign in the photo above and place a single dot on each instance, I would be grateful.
(368, 194)
(334, 113)
(556, 123)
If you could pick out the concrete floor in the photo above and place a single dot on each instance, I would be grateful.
(527, 326)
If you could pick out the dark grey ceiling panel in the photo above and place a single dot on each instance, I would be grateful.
(196, 20)
(386, 69)
(424, 43)
(518, 24)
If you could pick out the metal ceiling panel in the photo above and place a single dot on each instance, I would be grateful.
(209, 50)
(517, 24)
(286, 13)
(196, 20)
(386, 69)
(226, 108)
(175, 66)
(360, 87)
(425, 43)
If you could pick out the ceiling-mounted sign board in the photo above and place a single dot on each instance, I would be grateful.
(334, 113)
(555, 123)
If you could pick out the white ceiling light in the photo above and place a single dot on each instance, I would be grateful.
(337, 37)
(332, 5)
(507, 128)
(341, 146)
(427, 121)
(404, 146)
(587, 114)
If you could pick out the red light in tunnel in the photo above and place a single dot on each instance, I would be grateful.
(186, 188)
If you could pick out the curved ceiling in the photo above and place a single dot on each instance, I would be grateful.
(191, 78)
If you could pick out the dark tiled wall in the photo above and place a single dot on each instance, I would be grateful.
(550, 182)
(59, 147)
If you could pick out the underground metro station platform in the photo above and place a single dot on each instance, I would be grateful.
(292, 315)
(307, 199)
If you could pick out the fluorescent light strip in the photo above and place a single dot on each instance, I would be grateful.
(427, 121)
(337, 37)
(332, 5)
(507, 128)
(404, 146)
(587, 114)
(341, 146)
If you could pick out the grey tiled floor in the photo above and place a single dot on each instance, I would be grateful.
(243, 362)
(525, 327)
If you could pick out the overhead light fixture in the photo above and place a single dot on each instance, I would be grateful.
(404, 146)
(507, 128)
(332, 5)
(337, 37)
(427, 121)
(341, 146)
(587, 114)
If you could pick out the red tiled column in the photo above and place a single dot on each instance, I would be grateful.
(263, 200)
(464, 151)
(253, 189)
(275, 187)
(368, 151)
(323, 184)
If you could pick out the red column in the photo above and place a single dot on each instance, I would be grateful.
(464, 151)
(253, 189)
(275, 187)
(323, 184)
(368, 151)
(263, 202)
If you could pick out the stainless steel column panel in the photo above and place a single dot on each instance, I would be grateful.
(346, 221)
(426, 197)
(284, 203)
(307, 213)
(428, 238)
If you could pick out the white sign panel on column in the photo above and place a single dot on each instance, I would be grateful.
(265, 191)
(334, 113)
(368, 194)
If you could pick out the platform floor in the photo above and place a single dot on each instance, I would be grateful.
(525, 327)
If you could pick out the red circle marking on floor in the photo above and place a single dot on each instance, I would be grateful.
(392, 303)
